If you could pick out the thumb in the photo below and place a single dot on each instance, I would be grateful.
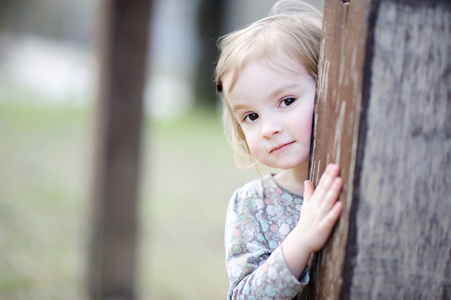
(308, 190)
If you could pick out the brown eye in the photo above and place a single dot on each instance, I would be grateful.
(251, 117)
(287, 102)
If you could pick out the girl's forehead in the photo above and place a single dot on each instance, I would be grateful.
(283, 63)
(277, 62)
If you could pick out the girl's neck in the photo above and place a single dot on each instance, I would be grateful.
(293, 179)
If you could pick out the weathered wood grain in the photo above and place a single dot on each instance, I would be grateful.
(384, 114)
(403, 212)
(336, 128)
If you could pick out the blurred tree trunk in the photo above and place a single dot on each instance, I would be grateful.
(383, 113)
(210, 27)
(112, 257)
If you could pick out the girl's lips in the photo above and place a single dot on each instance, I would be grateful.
(280, 147)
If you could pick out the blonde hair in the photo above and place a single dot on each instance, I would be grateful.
(293, 28)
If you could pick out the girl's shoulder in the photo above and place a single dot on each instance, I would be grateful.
(258, 195)
(247, 200)
(255, 188)
(253, 193)
(263, 187)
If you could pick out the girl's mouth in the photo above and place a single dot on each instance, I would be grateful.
(280, 148)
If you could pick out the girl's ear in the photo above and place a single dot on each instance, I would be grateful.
(219, 86)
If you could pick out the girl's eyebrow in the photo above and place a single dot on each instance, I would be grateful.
(238, 107)
(280, 90)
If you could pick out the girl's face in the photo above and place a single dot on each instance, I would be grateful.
(275, 111)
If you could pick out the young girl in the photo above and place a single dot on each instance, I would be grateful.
(267, 76)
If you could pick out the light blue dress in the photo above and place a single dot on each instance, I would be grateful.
(259, 217)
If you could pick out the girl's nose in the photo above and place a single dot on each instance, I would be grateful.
(270, 127)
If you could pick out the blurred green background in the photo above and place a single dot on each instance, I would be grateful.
(188, 177)
(48, 88)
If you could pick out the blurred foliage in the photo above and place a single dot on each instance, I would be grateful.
(45, 158)
(41, 185)
(59, 19)
(190, 175)
(188, 178)
(210, 26)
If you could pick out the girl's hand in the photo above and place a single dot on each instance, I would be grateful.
(320, 209)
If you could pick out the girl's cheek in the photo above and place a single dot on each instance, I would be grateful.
(253, 147)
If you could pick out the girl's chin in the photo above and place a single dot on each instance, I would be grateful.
(290, 165)
(286, 162)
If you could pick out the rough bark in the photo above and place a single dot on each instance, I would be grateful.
(402, 217)
(336, 129)
(384, 114)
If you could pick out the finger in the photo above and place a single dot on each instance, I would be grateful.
(321, 179)
(328, 174)
(332, 195)
(308, 190)
(334, 191)
(326, 181)
(332, 216)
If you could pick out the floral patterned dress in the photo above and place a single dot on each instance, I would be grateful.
(259, 217)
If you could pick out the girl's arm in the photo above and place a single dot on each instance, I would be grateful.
(259, 268)
(320, 211)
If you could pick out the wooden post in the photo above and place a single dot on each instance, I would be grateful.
(211, 14)
(383, 113)
(125, 31)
